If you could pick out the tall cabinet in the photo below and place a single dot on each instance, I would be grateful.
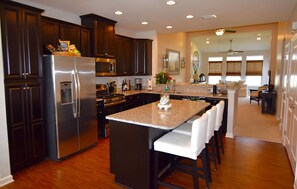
(20, 25)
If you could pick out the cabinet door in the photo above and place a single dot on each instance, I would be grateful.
(69, 32)
(128, 47)
(109, 36)
(120, 56)
(35, 120)
(142, 56)
(11, 28)
(85, 42)
(49, 32)
(32, 45)
(16, 121)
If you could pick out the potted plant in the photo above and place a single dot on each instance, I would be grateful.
(163, 78)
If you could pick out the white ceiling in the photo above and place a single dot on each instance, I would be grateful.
(230, 13)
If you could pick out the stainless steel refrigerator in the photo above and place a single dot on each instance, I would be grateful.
(70, 100)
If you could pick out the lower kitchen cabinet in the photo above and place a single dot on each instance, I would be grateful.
(25, 124)
(149, 98)
(132, 101)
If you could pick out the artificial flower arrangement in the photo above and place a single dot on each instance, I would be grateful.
(163, 78)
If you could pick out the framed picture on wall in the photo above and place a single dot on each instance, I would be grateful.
(173, 62)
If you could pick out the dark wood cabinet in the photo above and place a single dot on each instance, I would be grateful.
(133, 101)
(25, 123)
(21, 42)
(85, 41)
(20, 27)
(268, 102)
(52, 30)
(49, 32)
(123, 54)
(142, 59)
(103, 36)
(70, 32)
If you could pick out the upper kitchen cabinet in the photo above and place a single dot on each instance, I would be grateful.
(52, 30)
(142, 56)
(124, 54)
(49, 31)
(70, 32)
(103, 36)
(20, 26)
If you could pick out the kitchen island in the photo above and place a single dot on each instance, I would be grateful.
(132, 134)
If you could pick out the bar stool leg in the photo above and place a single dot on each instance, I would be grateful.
(195, 174)
(217, 146)
(205, 167)
(214, 152)
(221, 140)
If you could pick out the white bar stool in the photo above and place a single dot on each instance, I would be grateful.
(185, 128)
(186, 146)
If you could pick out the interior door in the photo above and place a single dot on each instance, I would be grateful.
(291, 130)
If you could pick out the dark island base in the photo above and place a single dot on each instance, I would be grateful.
(131, 154)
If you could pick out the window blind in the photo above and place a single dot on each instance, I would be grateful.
(215, 68)
(233, 68)
(254, 67)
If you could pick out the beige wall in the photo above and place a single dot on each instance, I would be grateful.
(177, 42)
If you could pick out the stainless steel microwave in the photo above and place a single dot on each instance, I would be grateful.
(105, 66)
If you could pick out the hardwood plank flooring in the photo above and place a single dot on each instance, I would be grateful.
(247, 163)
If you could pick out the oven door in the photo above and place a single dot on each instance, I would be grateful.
(105, 110)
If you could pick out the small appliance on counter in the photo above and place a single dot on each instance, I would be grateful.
(149, 85)
(138, 83)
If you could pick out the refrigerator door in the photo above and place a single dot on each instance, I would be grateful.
(87, 119)
(65, 95)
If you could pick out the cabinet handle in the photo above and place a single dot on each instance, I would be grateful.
(27, 73)
(24, 88)
(23, 74)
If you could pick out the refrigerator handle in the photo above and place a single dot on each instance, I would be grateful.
(78, 94)
(74, 90)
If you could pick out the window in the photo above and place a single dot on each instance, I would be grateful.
(253, 81)
(214, 79)
(234, 65)
(215, 66)
(233, 78)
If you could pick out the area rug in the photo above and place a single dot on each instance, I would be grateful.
(252, 123)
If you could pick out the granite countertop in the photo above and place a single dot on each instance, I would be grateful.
(200, 94)
(150, 115)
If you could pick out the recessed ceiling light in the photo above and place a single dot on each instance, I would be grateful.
(168, 27)
(209, 16)
(190, 16)
(207, 42)
(170, 2)
(144, 23)
(118, 12)
(258, 38)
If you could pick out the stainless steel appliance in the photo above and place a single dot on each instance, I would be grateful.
(105, 66)
(107, 103)
(70, 101)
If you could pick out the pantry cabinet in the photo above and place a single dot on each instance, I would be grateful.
(20, 28)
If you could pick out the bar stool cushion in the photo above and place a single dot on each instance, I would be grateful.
(185, 128)
(211, 123)
(192, 119)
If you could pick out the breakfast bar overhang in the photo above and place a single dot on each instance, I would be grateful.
(132, 134)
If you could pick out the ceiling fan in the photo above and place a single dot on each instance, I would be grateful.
(231, 51)
(221, 31)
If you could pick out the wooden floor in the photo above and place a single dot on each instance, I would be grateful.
(247, 163)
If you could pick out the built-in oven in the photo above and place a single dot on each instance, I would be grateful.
(105, 66)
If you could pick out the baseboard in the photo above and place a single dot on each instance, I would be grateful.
(6, 180)
(229, 135)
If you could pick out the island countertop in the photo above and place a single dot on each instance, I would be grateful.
(150, 115)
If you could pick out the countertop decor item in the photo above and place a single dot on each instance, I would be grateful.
(163, 78)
